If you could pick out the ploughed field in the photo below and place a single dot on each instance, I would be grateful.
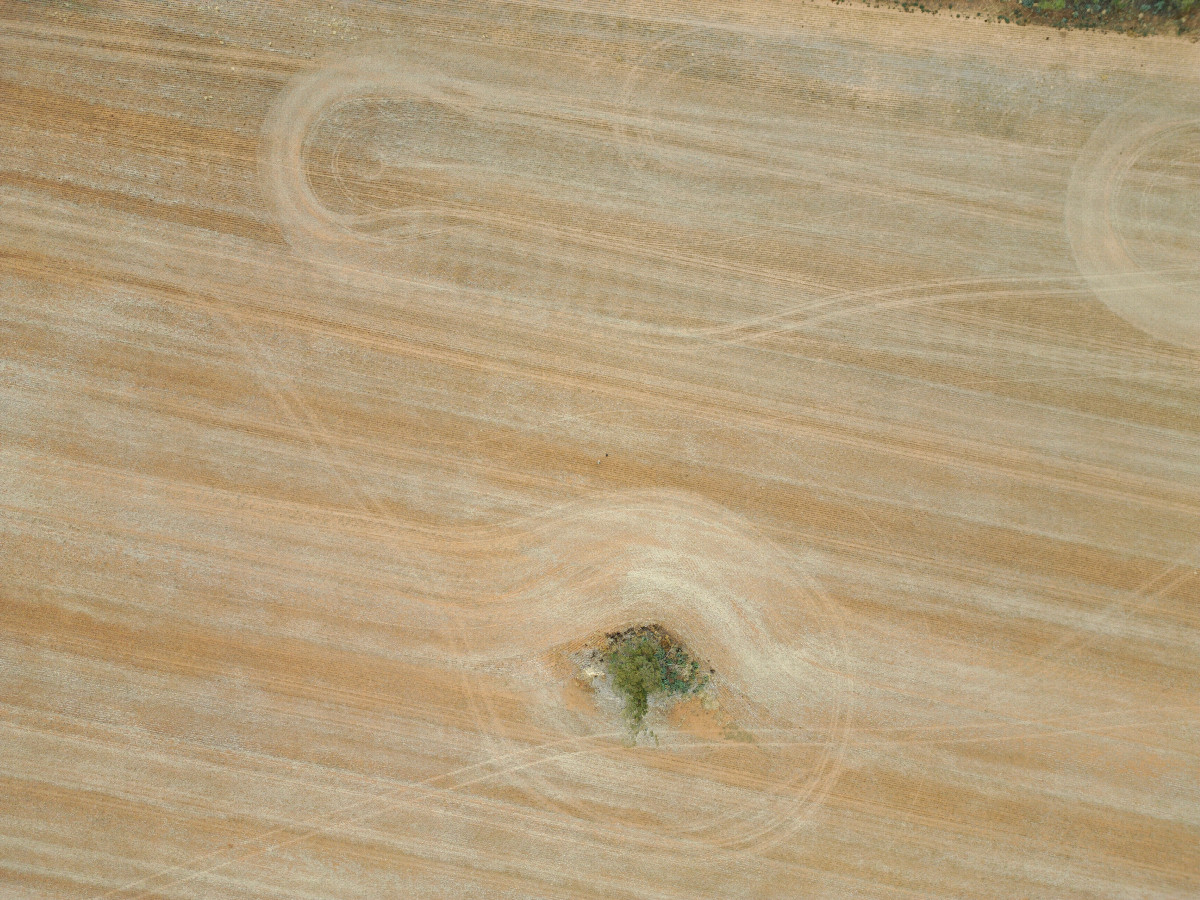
(596, 451)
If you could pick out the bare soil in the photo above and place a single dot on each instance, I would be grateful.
(361, 361)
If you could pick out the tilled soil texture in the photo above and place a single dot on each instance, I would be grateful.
(361, 362)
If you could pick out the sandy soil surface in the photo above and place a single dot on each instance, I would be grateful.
(358, 361)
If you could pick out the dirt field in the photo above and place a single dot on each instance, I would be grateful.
(360, 360)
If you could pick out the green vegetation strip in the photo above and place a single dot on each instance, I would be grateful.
(1136, 17)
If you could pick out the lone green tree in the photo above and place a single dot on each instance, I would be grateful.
(646, 661)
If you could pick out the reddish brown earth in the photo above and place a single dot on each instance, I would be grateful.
(358, 361)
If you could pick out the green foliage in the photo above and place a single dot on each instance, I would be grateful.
(1136, 16)
(646, 661)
